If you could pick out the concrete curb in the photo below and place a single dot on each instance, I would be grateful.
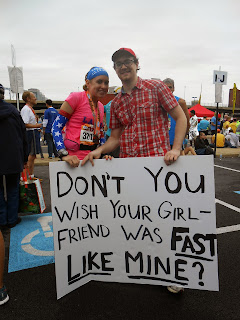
(225, 152)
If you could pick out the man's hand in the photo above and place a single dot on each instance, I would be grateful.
(96, 154)
(72, 160)
(171, 156)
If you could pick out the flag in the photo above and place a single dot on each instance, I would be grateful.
(199, 101)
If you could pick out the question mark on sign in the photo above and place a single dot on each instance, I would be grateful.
(200, 272)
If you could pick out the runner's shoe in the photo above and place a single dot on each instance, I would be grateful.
(175, 289)
(3, 295)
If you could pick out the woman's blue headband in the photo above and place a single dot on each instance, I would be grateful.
(95, 72)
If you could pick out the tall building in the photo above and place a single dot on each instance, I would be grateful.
(230, 101)
(39, 95)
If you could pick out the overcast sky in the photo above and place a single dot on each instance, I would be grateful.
(57, 42)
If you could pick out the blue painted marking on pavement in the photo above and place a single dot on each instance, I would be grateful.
(237, 192)
(31, 242)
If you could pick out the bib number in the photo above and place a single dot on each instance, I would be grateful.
(87, 134)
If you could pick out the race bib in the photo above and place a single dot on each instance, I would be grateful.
(87, 134)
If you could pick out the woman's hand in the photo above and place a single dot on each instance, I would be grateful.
(72, 160)
(96, 154)
(108, 157)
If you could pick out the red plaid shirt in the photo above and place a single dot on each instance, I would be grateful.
(143, 114)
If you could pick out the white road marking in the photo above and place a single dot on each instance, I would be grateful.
(226, 168)
(228, 229)
(227, 205)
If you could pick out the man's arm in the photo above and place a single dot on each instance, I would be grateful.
(213, 123)
(184, 107)
(30, 125)
(111, 144)
(180, 131)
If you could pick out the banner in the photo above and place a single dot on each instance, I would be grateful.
(16, 79)
(135, 220)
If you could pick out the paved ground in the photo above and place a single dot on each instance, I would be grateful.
(33, 291)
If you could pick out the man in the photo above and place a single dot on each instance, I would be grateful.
(49, 116)
(222, 122)
(213, 124)
(238, 131)
(233, 139)
(107, 111)
(226, 124)
(221, 141)
(33, 135)
(170, 84)
(202, 145)
(204, 125)
(14, 155)
(233, 125)
(139, 117)
(193, 131)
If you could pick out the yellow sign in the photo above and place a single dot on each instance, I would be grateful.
(234, 96)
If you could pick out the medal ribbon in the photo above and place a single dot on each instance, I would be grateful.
(96, 117)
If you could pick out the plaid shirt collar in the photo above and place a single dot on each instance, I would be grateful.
(138, 85)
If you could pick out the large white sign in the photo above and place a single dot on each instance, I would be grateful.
(135, 220)
(16, 79)
(219, 77)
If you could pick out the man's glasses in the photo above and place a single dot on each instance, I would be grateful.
(127, 63)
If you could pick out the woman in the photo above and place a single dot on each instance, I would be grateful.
(82, 114)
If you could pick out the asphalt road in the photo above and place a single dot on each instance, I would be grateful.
(33, 291)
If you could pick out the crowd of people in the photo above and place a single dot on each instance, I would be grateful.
(228, 133)
(145, 119)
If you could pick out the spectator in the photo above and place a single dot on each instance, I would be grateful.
(49, 116)
(221, 142)
(226, 125)
(139, 117)
(222, 122)
(233, 125)
(204, 125)
(170, 84)
(39, 120)
(233, 139)
(82, 114)
(107, 112)
(202, 145)
(3, 291)
(193, 131)
(13, 144)
(238, 131)
(213, 124)
(31, 122)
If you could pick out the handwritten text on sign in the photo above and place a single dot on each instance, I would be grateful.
(135, 220)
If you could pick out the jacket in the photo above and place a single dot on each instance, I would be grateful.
(13, 141)
(201, 143)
